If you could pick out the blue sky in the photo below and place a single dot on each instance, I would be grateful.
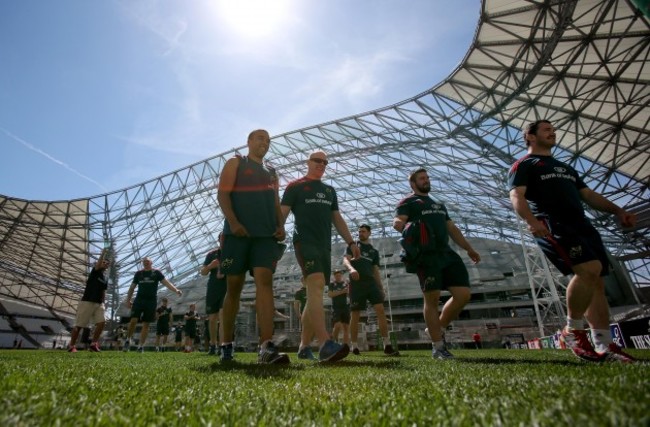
(101, 95)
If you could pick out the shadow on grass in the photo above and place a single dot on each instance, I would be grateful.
(352, 363)
(286, 371)
(507, 361)
(253, 369)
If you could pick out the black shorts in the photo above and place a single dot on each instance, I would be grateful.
(313, 259)
(144, 310)
(162, 329)
(241, 254)
(573, 244)
(442, 270)
(190, 332)
(362, 291)
(341, 314)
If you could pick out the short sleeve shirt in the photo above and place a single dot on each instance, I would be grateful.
(147, 282)
(164, 315)
(552, 187)
(211, 256)
(96, 286)
(312, 203)
(339, 301)
(190, 324)
(433, 213)
(365, 264)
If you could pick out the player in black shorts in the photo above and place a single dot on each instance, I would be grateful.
(439, 267)
(215, 293)
(163, 321)
(249, 199)
(338, 291)
(548, 195)
(143, 307)
(366, 286)
(315, 208)
(191, 328)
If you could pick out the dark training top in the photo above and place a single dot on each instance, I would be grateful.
(96, 286)
(339, 301)
(164, 315)
(365, 264)
(190, 321)
(552, 187)
(147, 282)
(312, 203)
(253, 198)
(211, 256)
(433, 213)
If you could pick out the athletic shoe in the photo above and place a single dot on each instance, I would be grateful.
(72, 349)
(226, 353)
(331, 351)
(614, 353)
(94, 347)
(306, 354)
(578, 341)
(127, 346)
(213, 350)
(356, 351)
(442, 354)
(390, 351)
(269, 355)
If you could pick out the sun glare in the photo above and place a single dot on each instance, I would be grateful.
(253, 18)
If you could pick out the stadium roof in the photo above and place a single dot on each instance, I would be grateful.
(581, 64)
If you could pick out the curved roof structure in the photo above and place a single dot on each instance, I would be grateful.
(582, 64)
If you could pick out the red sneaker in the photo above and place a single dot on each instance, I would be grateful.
(578, 341)
(615, 353)
(94, 347)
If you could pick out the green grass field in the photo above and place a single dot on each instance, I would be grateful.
(484, 387)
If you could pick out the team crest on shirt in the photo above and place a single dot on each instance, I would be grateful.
(575, 251)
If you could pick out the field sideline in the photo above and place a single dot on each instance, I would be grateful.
(480, 387)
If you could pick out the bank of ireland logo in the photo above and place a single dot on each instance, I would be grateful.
(559, 169)
(575, 251)
(227, 263)
(320, 195)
